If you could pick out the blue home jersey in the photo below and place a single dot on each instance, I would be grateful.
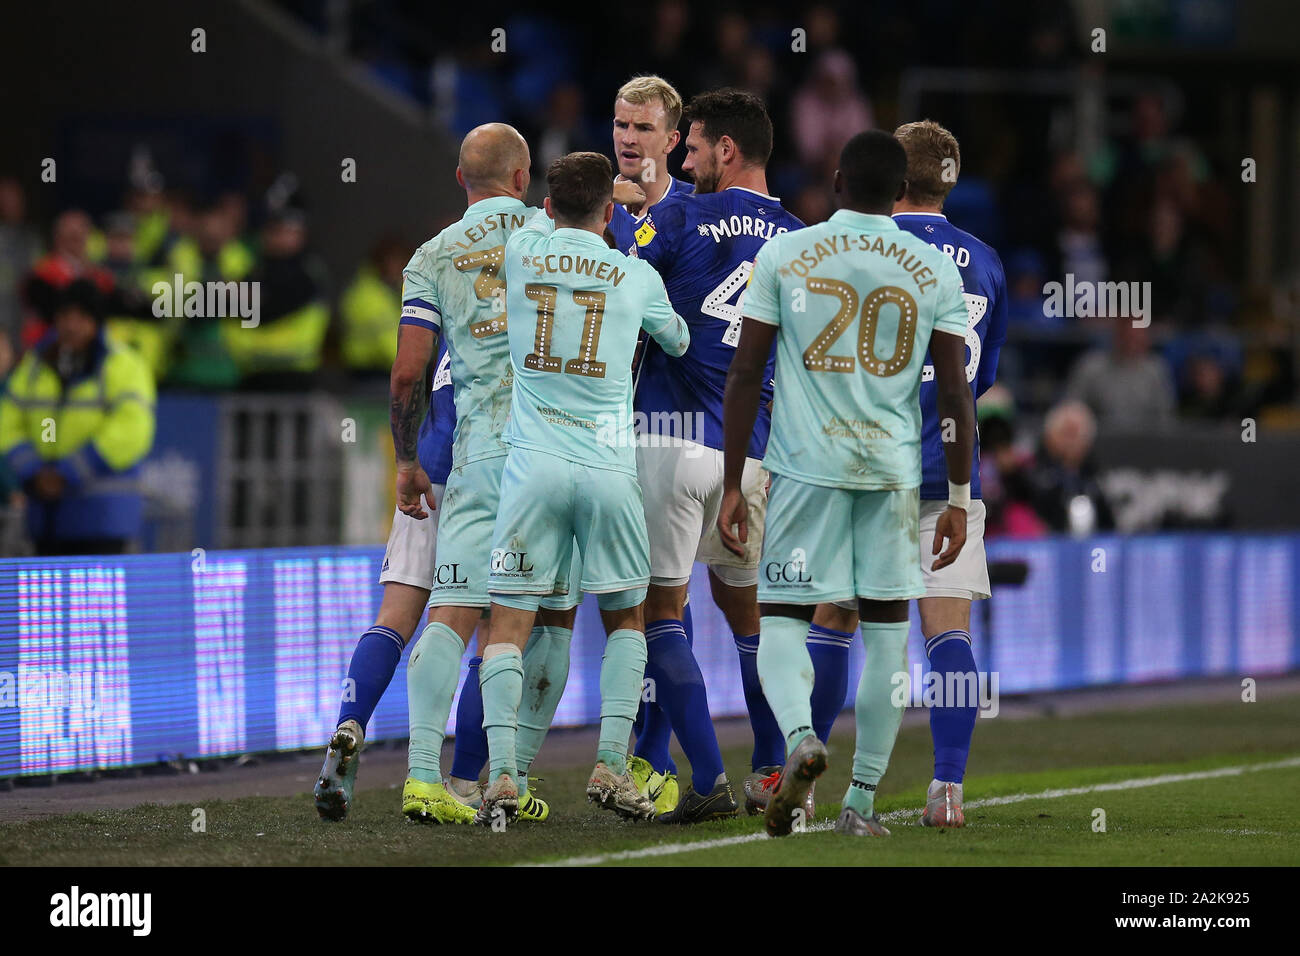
(704, 246)
(986, 300)
(624, 225)
(434, 449)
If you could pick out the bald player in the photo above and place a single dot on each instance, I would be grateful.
(455, 288)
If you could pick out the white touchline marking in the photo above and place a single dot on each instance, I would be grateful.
(669, 849)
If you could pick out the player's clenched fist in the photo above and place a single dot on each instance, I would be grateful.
(951, 525)
(412, 484)
(627, 193)
(734, 512)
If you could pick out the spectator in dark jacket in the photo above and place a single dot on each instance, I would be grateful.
(1065, 491)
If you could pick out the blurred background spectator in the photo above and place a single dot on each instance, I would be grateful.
(69, 258)
(284, 348)
(827, 110)
(19, 246)
(367, 308)
(1126, 385)
(76, 419)
(1062, 478)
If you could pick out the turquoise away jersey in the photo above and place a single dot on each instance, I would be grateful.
(854, 300)
(454, 284)
(577, 307)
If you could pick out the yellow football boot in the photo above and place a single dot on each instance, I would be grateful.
(431, 803)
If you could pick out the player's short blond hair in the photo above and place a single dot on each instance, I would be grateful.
(641, 90)
(933, 161)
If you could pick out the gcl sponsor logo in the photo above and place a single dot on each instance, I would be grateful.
(794, 571)
(450, 574)
(510, 562)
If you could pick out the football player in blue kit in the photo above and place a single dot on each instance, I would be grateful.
(647, 111)
(407, 575)
(933, 164)
(704, 246)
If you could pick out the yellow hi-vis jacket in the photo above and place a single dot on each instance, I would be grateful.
(95, 431)
(285, 343)
(369, 332)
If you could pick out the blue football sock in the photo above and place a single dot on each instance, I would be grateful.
(679, 689)
(652, 727)
(471, 739)
(953, 721)
(829, 650)
(652, 738)
(373, 664)
(638, 725)
(689, 628)
(769, 743)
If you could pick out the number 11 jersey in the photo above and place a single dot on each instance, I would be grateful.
(577, 308)
(704, 246)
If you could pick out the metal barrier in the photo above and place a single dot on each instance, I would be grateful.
(280, 460)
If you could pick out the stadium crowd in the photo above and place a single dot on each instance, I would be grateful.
(1148, 205)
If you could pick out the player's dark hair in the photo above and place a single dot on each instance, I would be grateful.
(580, 186)
(873, 165)
(734, 113)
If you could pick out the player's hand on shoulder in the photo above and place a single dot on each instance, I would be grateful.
(733, 521)
(951, 526)
(412, 484)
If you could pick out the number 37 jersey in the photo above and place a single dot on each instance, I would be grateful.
(704, 247)
(455, 285)
(854, 300)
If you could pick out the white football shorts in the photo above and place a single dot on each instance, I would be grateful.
(682, 487)
(412, 546)
(968, 576)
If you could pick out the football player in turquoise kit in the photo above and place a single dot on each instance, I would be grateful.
(577, 308)
(454, 289)
(852, 305)
(406, 574)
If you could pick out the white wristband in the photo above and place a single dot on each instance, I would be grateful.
(959, 496)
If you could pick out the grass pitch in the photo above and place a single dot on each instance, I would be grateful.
(1016, 814)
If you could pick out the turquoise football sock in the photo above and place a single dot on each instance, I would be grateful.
(431, 676)
(880, 706)
(621, 673)
(786, 672)
(501, 676)
(546, 671)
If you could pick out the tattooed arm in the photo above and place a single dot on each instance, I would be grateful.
(408, 395)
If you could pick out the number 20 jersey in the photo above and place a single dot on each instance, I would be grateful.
(704, 245)
(854, 300)
(985, 287)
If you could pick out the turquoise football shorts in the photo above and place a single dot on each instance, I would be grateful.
(468, 514)
(833, 544)
(551, 506)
